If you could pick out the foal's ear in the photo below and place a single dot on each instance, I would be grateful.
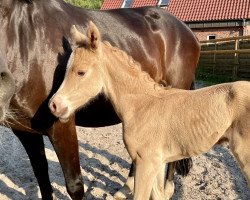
(77, 37)
(93, 35)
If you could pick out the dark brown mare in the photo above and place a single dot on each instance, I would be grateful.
(37, 50)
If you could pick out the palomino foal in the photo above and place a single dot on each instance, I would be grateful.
(160, 125)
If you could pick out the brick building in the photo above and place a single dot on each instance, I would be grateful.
(214, 19)
(209, 19)
(112, 4)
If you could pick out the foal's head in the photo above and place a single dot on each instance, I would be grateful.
(83, 79)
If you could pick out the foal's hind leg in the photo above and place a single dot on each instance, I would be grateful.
(169, 186)
(240, 146)
(34, 147)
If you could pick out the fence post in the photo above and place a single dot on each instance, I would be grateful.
(236, 59)
(235, 63)
(214, 64)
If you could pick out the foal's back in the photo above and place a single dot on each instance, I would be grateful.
(191, 122)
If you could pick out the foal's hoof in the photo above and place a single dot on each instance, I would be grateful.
(54, 197)
(169, 191)
(123, 193)
(126, 191)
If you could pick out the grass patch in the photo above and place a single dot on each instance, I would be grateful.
(90, 4)
(206, 74)
(214, 79)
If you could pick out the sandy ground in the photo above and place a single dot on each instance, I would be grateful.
(105, 164)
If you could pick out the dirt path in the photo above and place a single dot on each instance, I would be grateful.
(105, 165)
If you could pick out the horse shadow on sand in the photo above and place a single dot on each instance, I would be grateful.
(222, 154)
(221, 157)
(18, 180)
(103, 176)
(20, 183)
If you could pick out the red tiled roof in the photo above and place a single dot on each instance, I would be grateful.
(111, 4)
(210, 10)
(140, 3)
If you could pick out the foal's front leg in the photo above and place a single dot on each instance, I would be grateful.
(128, 187)
(158, 190)
(145, 176)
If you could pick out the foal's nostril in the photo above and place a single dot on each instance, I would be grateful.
(53, 107)
(58, 107)
(3, 75)
(6, 76)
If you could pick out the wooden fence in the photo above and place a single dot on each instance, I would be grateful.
(228, 57)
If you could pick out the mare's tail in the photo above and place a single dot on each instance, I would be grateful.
(183, 166)
(192, 87)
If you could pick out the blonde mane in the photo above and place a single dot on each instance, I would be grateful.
(130, 62)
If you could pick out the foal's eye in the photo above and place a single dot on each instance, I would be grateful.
(80, 73)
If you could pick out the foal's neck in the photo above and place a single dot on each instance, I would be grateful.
(126, 84)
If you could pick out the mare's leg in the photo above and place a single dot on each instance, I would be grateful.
(64, 140)
(146, 172)
(34, 147)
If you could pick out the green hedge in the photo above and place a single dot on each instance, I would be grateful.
(91, 4)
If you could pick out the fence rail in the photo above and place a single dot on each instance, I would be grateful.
(227, 56)
(226, 51)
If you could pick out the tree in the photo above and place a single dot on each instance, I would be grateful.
(91, 4)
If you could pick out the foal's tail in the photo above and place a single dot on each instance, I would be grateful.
(192, 87)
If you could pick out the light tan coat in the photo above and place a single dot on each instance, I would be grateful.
(160, 125)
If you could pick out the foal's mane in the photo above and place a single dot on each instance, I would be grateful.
(142, 75)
